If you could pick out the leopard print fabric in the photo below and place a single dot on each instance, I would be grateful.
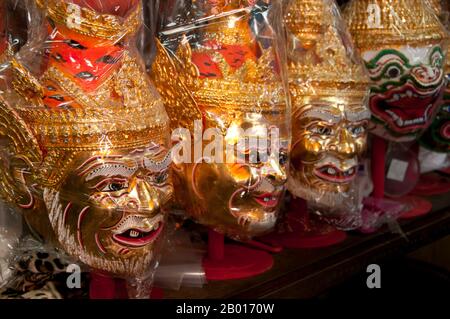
(32, 271)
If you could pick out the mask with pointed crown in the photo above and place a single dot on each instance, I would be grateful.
(85, 138)
(222, 77)
(403, 45)
(437, 137)
(329, 90)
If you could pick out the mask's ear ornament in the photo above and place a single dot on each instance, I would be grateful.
(18, 155)
(180, 105)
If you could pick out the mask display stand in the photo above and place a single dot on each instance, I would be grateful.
(303, 232)
(432, 184)
(233, 261)
(103, 286)
(434, 181)
(415, 206)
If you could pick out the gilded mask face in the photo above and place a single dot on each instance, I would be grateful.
(109, 211)
(329, 137)
(92, 135)
(227, 80)
(241, 197)
(406, 85)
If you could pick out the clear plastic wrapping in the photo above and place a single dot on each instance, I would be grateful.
(219, 69)
(38, 271)
(330, 118)
(84, 136)
(181, 262)
(404, 48)
(10, 232)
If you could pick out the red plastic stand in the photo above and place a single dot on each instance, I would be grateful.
(445, 171)
(226, 262)
(416, 206)
(432, 184)
(273, 249)
(379, 149)
(103, 286)
(304, 233)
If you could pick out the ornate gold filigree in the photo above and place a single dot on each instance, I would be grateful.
(25, 84)
(180, 105)
(89, 22)
(251, 87)
(104, 121)
(231, 30)
(381, 23)
(321, 58)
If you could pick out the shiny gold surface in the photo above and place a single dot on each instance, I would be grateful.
(399, 22)
(329, 90)
(94, 165)
(91, 23)
(240, 200)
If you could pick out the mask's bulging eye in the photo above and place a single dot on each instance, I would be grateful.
(393, 72)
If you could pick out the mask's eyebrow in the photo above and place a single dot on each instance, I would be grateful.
(98, 157)
(384, 57)
(357, 115)
(105, 166)
(318, 111)
(110, 169)
(157, 166)
(150, 149)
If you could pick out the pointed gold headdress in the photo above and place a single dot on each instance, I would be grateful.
(322, 59)
(375, 24)
(91, 23)
(124, 112)
(189, 94)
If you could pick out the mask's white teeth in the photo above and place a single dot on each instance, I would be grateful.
(426, 112)
(331, 171)
(396, 118)
(134, 234)
(409, 93)
(395, 98)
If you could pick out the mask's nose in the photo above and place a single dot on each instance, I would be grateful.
(142, 195)
(344, 144)
(275, 171)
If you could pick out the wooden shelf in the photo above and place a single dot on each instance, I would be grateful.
(311, 272)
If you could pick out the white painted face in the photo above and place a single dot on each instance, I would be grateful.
(407, 83)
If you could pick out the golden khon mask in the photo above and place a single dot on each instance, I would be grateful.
(85, 140)
(329, 93)
(226, 81)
